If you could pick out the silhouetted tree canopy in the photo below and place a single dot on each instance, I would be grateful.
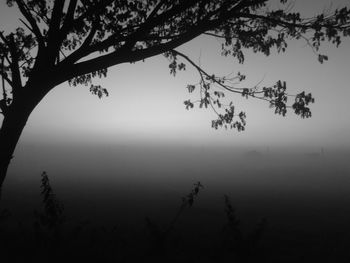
(78, 40)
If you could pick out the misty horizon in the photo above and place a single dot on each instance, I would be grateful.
(135, 157)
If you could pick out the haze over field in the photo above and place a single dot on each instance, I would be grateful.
(136, 152)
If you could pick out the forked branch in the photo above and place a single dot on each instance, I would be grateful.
(213, 88)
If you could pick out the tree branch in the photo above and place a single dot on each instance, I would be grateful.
(307, 25)
(156, 9)
(27, 26)
(84, 49)
(252, 91)
(4, 100)
(2, 82)
(124, 54)
(202, 72)
(14, 65)
(3, 38)
(93, 10)
(54, 30)
(133, 38)
(5, 77)
(142, 32)
(24, 10)
(69, 17)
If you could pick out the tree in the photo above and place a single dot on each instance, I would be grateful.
(77, 40)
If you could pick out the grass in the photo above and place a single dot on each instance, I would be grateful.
(243, 247)
(160, 235)
(54, 239)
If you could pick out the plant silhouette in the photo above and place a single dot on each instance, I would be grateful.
(243, 247)
(49, 223)
(53, 239)
(160, 235)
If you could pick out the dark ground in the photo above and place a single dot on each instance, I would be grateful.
(291, 208)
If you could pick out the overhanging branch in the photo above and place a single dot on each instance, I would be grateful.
(118, 56)
(124, 55)
(276, 95)
(202, 72)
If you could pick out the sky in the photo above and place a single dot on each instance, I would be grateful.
(146, 102)
(83, 142)
(138, 151)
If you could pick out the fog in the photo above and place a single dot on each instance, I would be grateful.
(91, 179)
(302, 193)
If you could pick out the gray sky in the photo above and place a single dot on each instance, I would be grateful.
(146, 102)
(72, 134)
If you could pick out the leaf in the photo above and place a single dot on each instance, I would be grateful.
(191, 88)
(188, 104)
(99, 91)
(322, 58)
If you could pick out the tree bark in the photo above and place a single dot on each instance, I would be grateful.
(11, 130)
(13, 124)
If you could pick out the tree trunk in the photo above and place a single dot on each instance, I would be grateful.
(12, 126)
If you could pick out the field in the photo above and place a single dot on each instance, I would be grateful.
(302, 198)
